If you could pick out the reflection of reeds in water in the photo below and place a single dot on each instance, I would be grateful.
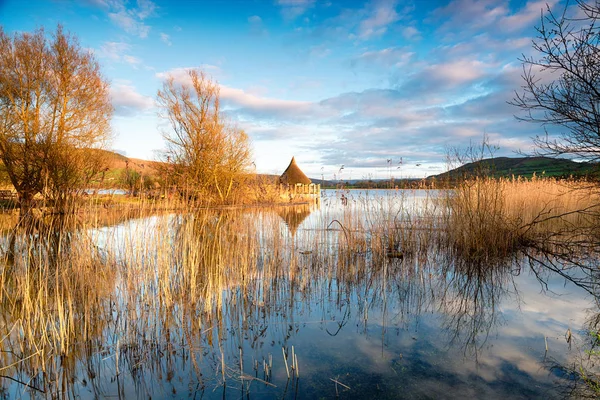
(53, 287)
(198, 286)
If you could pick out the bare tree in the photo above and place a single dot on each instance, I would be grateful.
(55, 111)
(207, 155)
(562, 86)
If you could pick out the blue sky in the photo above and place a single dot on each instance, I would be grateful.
(331, 82)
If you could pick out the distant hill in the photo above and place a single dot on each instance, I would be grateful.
(520, 166)
(118, 163)
(322, 182)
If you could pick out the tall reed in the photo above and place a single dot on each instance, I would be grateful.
(159, 286)
(489, 218)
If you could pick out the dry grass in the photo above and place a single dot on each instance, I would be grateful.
(161, 281)
(488, 218)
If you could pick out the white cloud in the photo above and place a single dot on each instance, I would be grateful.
(291, 9)
(133, 61)
(466, 14)
(411, 32)
(526, 17)
(390, 57)
(370, 21)
(376, 24)
(97, 3)
(181, 75)
(145, 9)
(165, 38)
(457, 72)
(461, 17)
(255, 19)
(257, 26)
(118, 52)
(127, 101)
(113, 50)
(242, 99)
(450, 100)
(130, 19)
(126, 21)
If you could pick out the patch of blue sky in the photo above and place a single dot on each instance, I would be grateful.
(331, 82)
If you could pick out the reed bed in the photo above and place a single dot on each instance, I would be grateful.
(158, 287)
(488, 218)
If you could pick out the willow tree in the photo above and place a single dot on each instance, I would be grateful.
(208, 156)
(55, 114)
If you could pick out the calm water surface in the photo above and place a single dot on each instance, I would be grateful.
(420, 327)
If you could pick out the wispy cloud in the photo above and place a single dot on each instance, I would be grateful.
(131, 60)
(129, 18)
(132, 26)
(114, 50)
(291, 9)
(462, 17)
(165, 38)
(380, 16)
(119, 52)
(439, 105)
(181, 74)
(526, 17)
(366, 22)
(468, 14)
(247, 103)
(257, 26)
(410, 32)
(390, 57)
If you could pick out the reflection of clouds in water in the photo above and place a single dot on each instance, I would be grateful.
(519, 341)
(435, 342)
(514, 351)
(548, 313)
(496, 356)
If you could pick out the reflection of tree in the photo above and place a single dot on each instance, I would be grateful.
(471, 294)
(574, 259)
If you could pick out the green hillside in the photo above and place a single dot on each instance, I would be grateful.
(521, 166)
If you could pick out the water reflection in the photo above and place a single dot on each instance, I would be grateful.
(293, 216)
(55, 304)
(206, 304)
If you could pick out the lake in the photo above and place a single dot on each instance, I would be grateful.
(320, 300)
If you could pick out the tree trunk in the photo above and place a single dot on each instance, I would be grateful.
(25, 204)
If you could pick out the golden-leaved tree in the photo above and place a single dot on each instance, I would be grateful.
(208, 157)
(54, 115)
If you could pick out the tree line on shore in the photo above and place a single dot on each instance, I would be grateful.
(55, 112)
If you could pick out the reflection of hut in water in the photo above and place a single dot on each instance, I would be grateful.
(297, 184)
(293, 216)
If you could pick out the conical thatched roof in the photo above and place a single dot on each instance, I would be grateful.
(293, 175)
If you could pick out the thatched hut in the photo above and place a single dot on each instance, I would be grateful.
(293, 175)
